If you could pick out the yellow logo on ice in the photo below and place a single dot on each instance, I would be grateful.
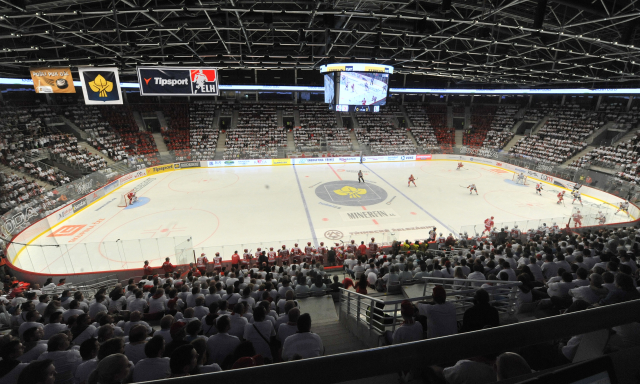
(100, 84)
(352, 192)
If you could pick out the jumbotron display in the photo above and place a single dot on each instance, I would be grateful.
(351, 87)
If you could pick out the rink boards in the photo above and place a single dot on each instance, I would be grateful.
(410, 213)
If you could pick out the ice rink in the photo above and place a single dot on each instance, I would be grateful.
(233, 208)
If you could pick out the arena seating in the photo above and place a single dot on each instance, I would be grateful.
(562, 135)
(383, 138)
(256, 135)
(429, 125)
(481, 119)
(318, 125)
(135, 142)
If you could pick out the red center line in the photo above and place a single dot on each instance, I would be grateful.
(334, 171)
(363, 207)
(375, 222)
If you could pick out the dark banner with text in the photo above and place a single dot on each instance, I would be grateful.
(165, 81)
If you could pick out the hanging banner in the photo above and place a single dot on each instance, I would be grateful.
(52, 80)
(100, 86)
(172, 81)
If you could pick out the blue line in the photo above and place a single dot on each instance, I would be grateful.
(416, 204)
(306, 209)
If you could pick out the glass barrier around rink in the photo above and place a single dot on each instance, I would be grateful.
(104, 256)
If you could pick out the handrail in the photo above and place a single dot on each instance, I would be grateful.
(404, 357)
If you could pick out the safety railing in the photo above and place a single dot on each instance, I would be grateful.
(405, 357)
(379, 315)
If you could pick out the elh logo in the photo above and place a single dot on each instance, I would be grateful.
(203, 81)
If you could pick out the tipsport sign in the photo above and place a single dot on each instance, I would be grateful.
(178, 81)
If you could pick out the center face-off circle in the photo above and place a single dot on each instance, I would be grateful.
(351, 193)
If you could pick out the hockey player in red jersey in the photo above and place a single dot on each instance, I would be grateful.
(283, 254)
(296, 253)
(271, 255)
(131, 196)
(258, 254)
(577, 217)
(201, 264)
(351, 248)
(217, 261)
(488, 224)
(460, 165)
(561, 197)
(539, 189)
(412, 180)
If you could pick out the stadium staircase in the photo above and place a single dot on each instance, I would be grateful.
(161, 119)
(412, 138)
(339, 120)
(80, 133)
(139, 121)
(291, 143)
(459, 133)
(222, 138)
(599, 134)
(279, 118)
(354, 141)
(406, 116)
(539, 125)
(467, 117)
(449, 116)
(356, 123)
(87, 147)
(628, 136)
(516, 126)
(7, 171)
(296, 118)
(162, 147)
(579, 154)
(513, 142)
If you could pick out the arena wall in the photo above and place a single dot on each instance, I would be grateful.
(42, 226)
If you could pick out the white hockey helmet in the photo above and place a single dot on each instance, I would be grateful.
(440, 233)
(515, 226)
(555, 223)
(506, 227)
(465, 233)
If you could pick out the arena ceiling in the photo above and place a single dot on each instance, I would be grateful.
(524, 43)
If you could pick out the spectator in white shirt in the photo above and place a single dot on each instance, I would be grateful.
(200, 311)
(74, 310)
(97, 307)
(31, 318)
(165, 328)
(82, 330)
(410, 330)
(441, 315)
(138, 303)
(290, 326)
(153, 366)
(134, 349)
(591, 293)
(64, 359)
(304, 343)
(220, 345)
(32, 346)
(158, 302)
(259, 332)
(54, 326)
(42, 304)
(10, 366)
(89, 352)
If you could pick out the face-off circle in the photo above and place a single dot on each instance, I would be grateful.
(351, 193)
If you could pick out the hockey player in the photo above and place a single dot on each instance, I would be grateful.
(352, 88)
(530, 234)
(339, 254)
(520, 178)
(432, 234)
(560, 197)
(460, 165)
(360, 176)
(373, 246)
(576, 196)
(131, 196)
(555, 228)
(322, 250)
(539, 189)
(441, 241)
(271, 255)
(412, 180)
(308, 251)
(201, 264)
(472, 188)
(601, 218)
(296, 251)
(217, 261)
(543, 229)
(515, 232)
(577, 217)
(283, 253)
(351, 248)
(488, 224)
(624, 207)
(364, 101)
(258, 253)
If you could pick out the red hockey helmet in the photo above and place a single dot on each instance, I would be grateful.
(259, 249)
(284, 247)
(373, 238)
(217, 253)
(296, 244)
(321, 243)
(271, 249)
(202, 254)
(246, 250)
(308, 243)
(492, 217)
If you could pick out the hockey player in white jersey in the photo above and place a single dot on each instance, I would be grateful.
(555, 228)
(624, 207)
(440, 241)
(601, 218)
(515, 232)
(472, 188)
(576, 196)
(520, 179)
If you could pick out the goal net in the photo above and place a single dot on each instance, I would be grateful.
(524, 181)
(124, 200)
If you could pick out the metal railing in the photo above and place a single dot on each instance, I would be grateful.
(384, 315)
(437, 351)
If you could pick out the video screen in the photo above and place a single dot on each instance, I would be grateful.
(329, 92)
(363, 88)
